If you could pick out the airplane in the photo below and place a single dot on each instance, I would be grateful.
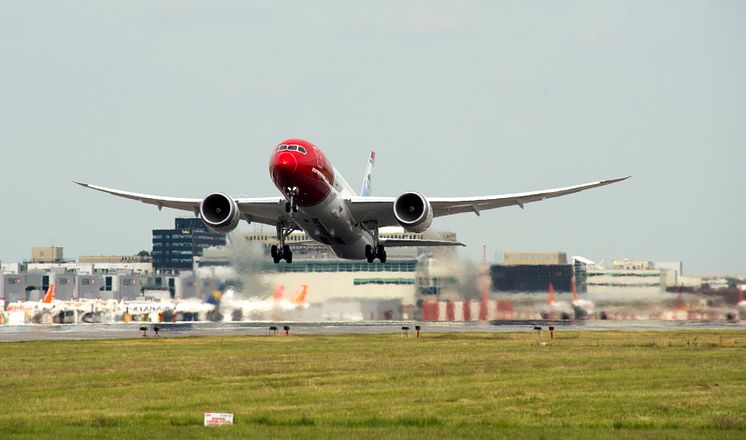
(556, 309)
(582, 307)
(46, 303)
(168, 309)
(316, 198)
(266, 308)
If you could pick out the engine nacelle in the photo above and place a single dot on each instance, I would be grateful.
(413, 212)
(220, 213)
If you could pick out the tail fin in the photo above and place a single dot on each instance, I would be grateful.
(216, 296)
(740, 294)
(365, 191)
(279, 292)
(49, 297)
(550, 300)
(301, 297)
(574, 290)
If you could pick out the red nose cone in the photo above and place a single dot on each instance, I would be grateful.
(283, 168)
(286, 163)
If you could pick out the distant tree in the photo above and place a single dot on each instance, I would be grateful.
(143, 254)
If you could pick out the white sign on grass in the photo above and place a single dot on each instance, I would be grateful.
(217, 419)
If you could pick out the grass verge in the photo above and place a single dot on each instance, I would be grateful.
(663, 384)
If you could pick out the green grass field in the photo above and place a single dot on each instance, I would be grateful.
(677, 384)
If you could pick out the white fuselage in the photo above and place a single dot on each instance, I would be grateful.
(330, 222)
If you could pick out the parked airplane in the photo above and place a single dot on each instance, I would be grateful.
(582, 307)
(273, 307)
(46, 303)
(556, 310)
(318, 200)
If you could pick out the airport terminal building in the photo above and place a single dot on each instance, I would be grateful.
(174, 249)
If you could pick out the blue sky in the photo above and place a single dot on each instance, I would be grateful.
(184, 98)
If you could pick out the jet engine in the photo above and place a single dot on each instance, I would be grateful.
(413, 212)
(220, 212)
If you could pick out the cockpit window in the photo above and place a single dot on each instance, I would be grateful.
(297, 148)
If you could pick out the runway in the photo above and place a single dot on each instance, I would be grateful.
(132, 330)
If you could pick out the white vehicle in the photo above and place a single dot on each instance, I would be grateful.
(318, 200)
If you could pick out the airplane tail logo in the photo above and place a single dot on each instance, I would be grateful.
(550, 300)
(365, 191)
(300, 298)
(49, 297)
(216, 296)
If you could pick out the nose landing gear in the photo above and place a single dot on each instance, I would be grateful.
(292, 204)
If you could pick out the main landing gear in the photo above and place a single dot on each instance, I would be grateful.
(282, 252)
(371, 253)
(377, 250)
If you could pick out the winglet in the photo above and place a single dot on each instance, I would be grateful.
(365, 190)
(618, 179)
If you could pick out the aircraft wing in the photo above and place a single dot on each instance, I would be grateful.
(381, 209)
(267, 210)
(418, 243)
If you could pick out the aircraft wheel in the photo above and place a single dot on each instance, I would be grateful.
(287, 207)
(287, 254)
(382, 256)
(275, 255)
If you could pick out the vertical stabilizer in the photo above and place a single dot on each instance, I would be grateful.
(365, 190)
(301, 297)
(49, 297)
(550, 299)
(216, 296)
(574, 290)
